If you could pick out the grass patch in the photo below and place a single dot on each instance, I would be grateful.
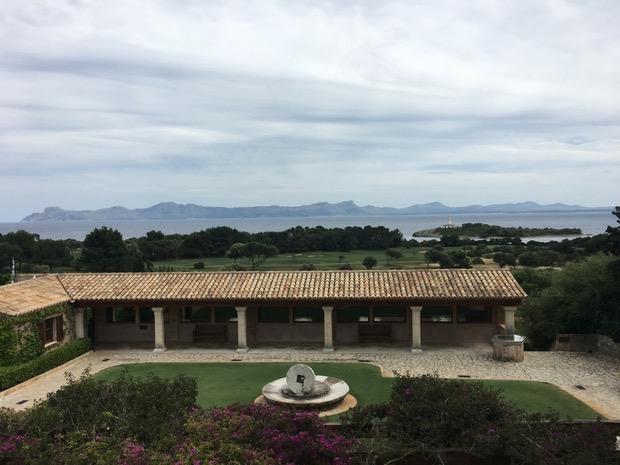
(534, 396)
(413, 258)
(221, 384)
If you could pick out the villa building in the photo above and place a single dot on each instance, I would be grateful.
(239, 310)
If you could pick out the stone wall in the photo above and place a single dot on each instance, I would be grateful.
(586, 343)
(607, 346)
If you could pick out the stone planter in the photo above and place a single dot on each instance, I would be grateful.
(508, 347)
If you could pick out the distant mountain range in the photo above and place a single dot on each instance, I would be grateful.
(175, 211)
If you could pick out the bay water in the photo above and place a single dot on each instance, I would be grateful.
(590, 222)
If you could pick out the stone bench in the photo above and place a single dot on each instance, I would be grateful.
(374, 332)
(210, 332)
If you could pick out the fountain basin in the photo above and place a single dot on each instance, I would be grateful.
(276, 393)
(508, 347)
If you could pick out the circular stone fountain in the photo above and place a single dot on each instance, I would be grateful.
(303, 389)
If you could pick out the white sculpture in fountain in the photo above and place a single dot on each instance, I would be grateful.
(303, 389)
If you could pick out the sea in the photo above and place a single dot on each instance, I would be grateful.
(590, 222)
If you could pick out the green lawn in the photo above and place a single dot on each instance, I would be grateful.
(412, 258)
(534, 396)
(220, 384)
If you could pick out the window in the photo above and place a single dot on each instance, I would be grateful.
(388, 314)
(121, 315)
(273, 315)
(196, 314)
(225, 314)
(146, 315)
(436, 315)
(308, 314)
(474, 314)
(352, 314)
(51, 330)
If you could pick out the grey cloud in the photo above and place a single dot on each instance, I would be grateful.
(369, 98)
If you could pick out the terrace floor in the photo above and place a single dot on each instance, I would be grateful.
(591, 378)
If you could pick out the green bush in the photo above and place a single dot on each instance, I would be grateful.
(149, 410)
(427, 415)
(12, 375)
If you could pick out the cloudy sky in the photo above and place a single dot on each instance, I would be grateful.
(241, 103)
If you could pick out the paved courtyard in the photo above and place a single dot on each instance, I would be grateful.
(591, 378)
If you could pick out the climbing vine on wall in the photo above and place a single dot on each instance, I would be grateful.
(19, 336)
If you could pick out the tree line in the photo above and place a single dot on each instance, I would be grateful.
(104, 249)
(581, 298)
(573, 285)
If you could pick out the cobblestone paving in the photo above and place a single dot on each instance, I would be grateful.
(591, 378)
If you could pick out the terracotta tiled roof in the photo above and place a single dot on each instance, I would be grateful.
(29, 296)
(44, 292)
(297, 285)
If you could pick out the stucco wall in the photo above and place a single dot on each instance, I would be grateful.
(458, 334)
(288, 332)
(177, 331)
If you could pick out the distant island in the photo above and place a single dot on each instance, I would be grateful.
(485, 231)
(175, 211)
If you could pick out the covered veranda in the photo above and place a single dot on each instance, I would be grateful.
(328, 310)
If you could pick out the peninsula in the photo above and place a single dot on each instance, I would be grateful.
(485, 231)
(175, 211)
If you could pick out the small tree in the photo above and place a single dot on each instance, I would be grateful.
(236, 251)
(393, 254)
(614, 234)
(432, 256)
(259, 252)
(504, 259)
(369, 262)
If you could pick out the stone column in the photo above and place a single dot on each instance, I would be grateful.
(416, 330)
(160, 345)
(242, 330)
(509, 319)
(79, 323)
(328, 334)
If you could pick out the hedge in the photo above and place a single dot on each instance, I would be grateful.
(13, 375)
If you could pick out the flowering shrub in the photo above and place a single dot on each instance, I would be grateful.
(82, 426)
(267, 434)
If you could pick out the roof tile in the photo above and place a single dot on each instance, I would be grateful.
(295, 285)
(29, 296)
(233, 287)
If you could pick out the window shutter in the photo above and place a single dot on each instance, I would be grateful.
(60, 333)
